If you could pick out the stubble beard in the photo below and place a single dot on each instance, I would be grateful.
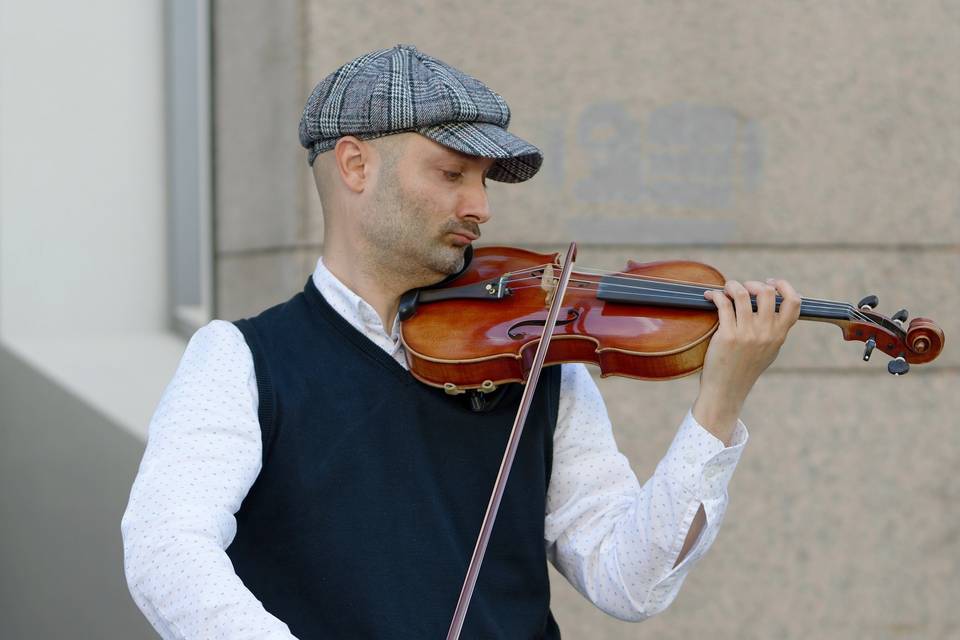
(399, 230)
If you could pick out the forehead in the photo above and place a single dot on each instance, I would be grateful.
(424, 148)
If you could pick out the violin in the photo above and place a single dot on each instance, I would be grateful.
(507, 313)
(478, 329)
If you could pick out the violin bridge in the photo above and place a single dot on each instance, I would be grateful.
(549, 284)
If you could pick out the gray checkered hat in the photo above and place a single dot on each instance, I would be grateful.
(402, 89)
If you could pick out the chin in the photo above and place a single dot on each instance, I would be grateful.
(446, 260)
(457, 264)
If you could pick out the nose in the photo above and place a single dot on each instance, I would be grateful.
(473, 202)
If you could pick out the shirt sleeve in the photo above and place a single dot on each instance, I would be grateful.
(614, 539)
(203, 454)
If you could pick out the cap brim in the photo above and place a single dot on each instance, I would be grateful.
(516, 159)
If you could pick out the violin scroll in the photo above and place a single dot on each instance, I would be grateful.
(922, 340)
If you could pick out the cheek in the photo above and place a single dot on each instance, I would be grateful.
(428, 202)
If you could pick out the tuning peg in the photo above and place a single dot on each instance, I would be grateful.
(898, 366)
(900, 317)
(870, 302)
(868, 349)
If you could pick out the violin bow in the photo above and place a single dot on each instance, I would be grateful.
(473, 570)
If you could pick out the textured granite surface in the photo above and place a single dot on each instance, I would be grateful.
(813, 142)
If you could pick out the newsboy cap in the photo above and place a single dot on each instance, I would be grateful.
(402, 89)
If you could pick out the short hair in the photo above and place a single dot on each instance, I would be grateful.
(389, 148)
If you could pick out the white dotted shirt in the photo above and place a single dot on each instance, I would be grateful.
(614, 539)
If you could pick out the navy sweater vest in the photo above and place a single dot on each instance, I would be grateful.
(363, 518)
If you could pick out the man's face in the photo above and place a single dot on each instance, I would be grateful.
(428, 207)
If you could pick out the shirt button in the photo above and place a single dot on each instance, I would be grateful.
(690, 459)
(711, 473)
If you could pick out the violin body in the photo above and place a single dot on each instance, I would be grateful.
(468, 343)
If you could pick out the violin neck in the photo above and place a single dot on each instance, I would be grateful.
(664, 294)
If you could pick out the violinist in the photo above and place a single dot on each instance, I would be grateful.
(299, 482)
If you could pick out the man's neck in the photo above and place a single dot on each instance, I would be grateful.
(380, 289)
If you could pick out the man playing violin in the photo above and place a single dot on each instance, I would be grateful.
(299, 482)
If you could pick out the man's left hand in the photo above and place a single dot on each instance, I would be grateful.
(744, 345)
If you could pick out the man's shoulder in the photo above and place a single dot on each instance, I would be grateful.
(217, 337)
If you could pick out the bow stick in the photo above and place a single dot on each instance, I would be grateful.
(473, 570)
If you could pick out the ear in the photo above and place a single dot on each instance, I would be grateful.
(354, 158)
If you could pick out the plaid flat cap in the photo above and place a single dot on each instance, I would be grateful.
(402, 89)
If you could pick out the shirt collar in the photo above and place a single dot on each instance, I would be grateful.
(348, 304)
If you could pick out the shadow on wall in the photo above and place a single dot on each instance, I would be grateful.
(66, 473)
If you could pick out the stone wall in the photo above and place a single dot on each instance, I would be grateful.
(817, 142)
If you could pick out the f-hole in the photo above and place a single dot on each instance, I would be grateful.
(572, 314)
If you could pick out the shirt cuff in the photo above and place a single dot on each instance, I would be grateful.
(701, 461)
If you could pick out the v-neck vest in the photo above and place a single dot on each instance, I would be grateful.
(373, 488)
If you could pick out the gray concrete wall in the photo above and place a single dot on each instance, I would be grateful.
(66, 472)
(815, 141)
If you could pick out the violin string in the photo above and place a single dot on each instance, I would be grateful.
(696, 294)
(810, 305)
(650, 279)
(810, 308)
(679, 283)
(677, 294)
(697, 290)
